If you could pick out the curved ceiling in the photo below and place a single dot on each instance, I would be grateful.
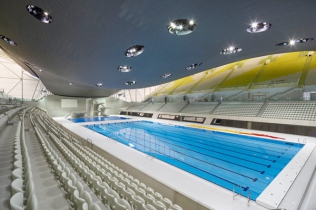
(86, 41)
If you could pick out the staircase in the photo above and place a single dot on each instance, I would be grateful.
(161, 107)
(184, 107)
(213, 110)
(262, 109)
(303, 77)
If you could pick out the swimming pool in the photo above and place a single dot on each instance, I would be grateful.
(95, 119)
(226, 159)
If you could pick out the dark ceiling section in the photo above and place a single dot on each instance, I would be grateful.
(86, 41)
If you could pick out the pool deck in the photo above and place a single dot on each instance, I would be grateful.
(203, 192)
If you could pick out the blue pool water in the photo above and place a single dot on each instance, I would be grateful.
(222, 158)
(94, 119)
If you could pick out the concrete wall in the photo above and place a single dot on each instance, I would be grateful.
(52, 104)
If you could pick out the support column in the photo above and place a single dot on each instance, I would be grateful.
(248, 125)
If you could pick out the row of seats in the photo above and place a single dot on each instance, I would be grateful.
(88, 176)
(238, 109)
(109, 198)
(294, 111)
(110, 178)
(77, 197)
(22, 186)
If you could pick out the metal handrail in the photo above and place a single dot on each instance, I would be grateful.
(151, 156)
(234, 191)
(68, 114)
(249, 195)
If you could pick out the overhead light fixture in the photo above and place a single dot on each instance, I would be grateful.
(124, 69)
(71, 84)
(99, 85)
(181, 27)
(130, 83)
(303, 40)
(134, 51)
(39, 14)
(282, 44)
(40, 70)
(192, 66)
(258, 27)
(7, 40)
(293, 41)
(165, 75)
(230, 50)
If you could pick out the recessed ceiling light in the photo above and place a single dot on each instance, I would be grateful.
(99, 85)
(303, 40)
(39, 14)
(124, 69)
(165, 75)
(130, 83)
(230, 50)
(134, 51)
(40, 70)
(7, 40)
(258, 27)
(192, 66)
(71, 84)
(181, 27)
(282, 44)
(292, 42)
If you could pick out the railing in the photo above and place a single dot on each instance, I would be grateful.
(68, 115)
(249, 197)
(234, 191)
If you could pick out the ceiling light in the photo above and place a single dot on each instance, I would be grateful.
(130, 83)
(71, 84)
(7, 40)
(192, 66)
(292, 42)
(39, 14)
(124, 69)
(230, 50)
(181, 27)
(258, 27)
(40, 70)
(282, 44)
(165, 75)
(303, 40)
(99, 85)
(134, 51)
